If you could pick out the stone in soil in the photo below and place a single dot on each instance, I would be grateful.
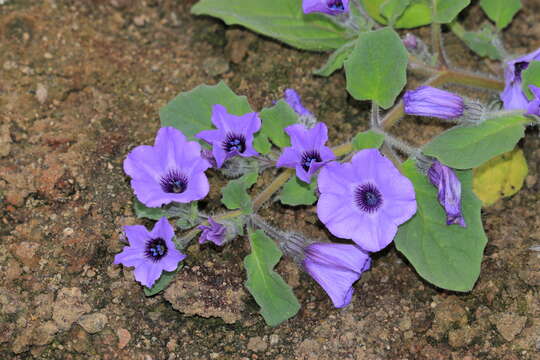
(69, 307)
(93, 323)
(208, 292)
(509, 325)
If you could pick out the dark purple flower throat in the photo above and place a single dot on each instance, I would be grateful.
(155, 249)
(368, 198)
(174, 182)
(519, 67)
(234, 142)
(335, 5)
(309, 157)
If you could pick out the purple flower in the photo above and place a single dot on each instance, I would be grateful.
(307, 153)
(234, 134)
(295, 102)
(449, 194)
(215, 232)
(331, 7)
(513, 97)
(533, 108)
(365, 200)
(430, 101)
(170, 171)
(150, 252)
(336, 267)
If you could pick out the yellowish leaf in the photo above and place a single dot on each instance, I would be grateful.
(500, 177)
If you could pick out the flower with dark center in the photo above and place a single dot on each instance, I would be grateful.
(368, 198)
(330, 7)
(513, 97)
(433, 102)
(308, 152)
(335, 5)
(170, 171)
(336, 267)
(233, 136)
(234, 143)
(449, 192)
(156, 249)
(150, 252)
(174, 182)
(308, 158)
(365, 200)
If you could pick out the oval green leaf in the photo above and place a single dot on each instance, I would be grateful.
(377, 68)
(448, 256)
(466, 147)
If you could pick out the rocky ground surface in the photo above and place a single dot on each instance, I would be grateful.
(81, 83)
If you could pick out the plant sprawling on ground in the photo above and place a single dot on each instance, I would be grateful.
(365, 194)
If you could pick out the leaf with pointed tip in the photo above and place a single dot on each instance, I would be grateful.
(465, 147)
(501, 11)
(274, 296)
(446, 10)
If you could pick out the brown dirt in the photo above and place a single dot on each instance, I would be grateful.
(81, 83)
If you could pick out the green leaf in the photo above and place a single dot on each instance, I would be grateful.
(376, 69)
(367, 140)
(393, 9)
(531, 76)
(190, 112)
(274, 296)
(162, 283)
(275, 119)
(446, 10)
(296, 192)
(188, 214)
(261, 143)
(280, 19)
(417, 14)
(481, 42)
(448, 256)
(501, 11)
(234, 194)
(143, 211)
(336, 60)
(466, 147)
